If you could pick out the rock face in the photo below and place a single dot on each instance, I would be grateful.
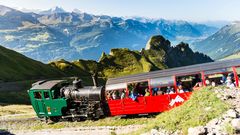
(179, 55)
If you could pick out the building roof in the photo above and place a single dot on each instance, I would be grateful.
(45, 85)
(175, 71)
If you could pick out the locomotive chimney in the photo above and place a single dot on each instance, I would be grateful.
(94, 77)
(77, 83)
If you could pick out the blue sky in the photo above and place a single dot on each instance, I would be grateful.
(191, 10)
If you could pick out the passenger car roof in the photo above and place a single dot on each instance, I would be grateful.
(45, 85)
(175, 71)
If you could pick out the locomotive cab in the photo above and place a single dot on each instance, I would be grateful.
(46, 100)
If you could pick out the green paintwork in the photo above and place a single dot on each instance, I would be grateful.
(47, 107)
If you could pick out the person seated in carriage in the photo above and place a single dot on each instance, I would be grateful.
(181, 89)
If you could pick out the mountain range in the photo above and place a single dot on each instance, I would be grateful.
(224, 43)
(56, 34)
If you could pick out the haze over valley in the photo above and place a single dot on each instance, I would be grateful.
(56, 34)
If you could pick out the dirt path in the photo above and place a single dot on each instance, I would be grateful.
(95, 130)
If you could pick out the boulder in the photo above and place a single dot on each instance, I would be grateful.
(232, 113)
(236, 123)
(200, 130)
(154, 132)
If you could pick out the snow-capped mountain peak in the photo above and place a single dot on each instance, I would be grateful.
(53, 11)
(77, 11)
(4, 10)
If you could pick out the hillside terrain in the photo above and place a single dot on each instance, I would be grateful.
(233, 56)
(158, 54)
(55, 34)
(223, 43)
(15, 66)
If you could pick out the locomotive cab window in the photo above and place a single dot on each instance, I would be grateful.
(46, 95)
(37, 95)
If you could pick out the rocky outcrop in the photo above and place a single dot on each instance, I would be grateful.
(229, 122)
(159, 48)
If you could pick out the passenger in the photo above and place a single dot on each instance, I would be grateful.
(155, 91)
(231, 75)
(213, 84)
(133, 96)
(109, 96)
(171, 91)
(123, 94)
(114, 95)
(180, 89)
(197, 86)
(224, 78)
(179, 82)
(207, 81)
(196, 80)
(229, 83)
(147, 93)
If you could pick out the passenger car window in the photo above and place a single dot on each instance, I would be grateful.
(46, 95)
(37, 95)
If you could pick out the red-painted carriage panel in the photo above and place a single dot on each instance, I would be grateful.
(149, 104)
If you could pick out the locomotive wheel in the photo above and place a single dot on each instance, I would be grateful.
(55, 119)
(74, 119)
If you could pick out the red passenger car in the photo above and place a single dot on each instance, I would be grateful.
(162, 90)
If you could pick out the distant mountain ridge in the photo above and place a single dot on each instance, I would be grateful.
(56, 34)
(223, 43)
(54, 10)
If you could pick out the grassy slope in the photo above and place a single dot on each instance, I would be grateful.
(198, 110)
(122, 62)
(233, 56)
(15, 66)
